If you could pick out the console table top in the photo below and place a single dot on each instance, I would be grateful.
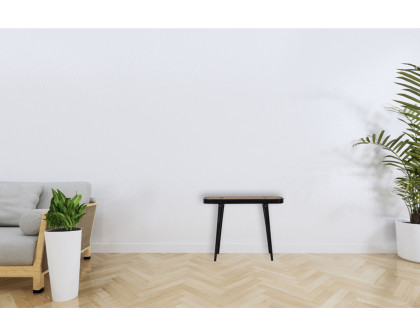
(243, 200)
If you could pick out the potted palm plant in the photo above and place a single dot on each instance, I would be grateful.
(63, 242)
(403, 154)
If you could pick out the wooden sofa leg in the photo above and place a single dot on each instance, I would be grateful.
(38, 283)
(87, 253)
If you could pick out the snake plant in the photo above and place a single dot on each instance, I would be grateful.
(64, 213)
(403, 151)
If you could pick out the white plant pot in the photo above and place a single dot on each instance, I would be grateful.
(63, 255)
(408, 240)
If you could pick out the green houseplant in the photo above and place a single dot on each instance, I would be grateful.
(64, 213)
(63, 241)
(403, 153)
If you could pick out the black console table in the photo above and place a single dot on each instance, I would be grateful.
(221, 201)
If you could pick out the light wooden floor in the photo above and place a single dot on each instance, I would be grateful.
(235, 280)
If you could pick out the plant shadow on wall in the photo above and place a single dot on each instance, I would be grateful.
(366, 164)
(342, 164)
(373, 199)
(403, 154)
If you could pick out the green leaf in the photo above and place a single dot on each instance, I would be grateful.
(386, 139)
(414, 88)
(409, 97)
(408, 105)
(409, 76)
(414, 82)
(415, 92)
(380, 136)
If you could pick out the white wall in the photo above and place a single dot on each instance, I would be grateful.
(157, 119)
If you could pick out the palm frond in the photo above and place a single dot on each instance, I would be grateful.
(404, 150)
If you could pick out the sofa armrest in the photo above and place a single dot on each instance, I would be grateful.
(86, 224)
(30, 221)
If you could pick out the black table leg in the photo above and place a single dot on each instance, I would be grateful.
(267, 229)
(221, 211)
(219, 230)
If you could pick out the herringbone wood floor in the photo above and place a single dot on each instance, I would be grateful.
(235, 280)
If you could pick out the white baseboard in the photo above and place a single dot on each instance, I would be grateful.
(240, 248)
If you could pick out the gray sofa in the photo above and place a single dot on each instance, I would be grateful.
(22, 224)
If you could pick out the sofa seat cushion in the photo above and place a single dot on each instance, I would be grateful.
(67, 188)
(16, 249)
(16, 198)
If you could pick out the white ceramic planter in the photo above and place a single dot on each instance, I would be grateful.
(408, 240)
(63, 255)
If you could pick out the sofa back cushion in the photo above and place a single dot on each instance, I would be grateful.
(16, 198)
(69, 189)
(30, 222)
